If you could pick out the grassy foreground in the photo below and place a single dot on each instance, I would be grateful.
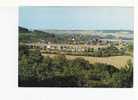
(35, 70)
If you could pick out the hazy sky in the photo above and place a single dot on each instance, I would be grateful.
(76, 17)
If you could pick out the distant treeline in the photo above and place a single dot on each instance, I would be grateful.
(103, 31)
(22, 29)
(113, 31)
(26, 35)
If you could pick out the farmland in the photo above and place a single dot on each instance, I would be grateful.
(117, 61)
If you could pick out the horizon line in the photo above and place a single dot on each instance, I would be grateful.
(70, 29)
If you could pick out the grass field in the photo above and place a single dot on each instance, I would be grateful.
(117, 61)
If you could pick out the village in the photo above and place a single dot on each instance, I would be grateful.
(75, 47)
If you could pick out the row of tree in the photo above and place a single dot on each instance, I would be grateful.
(100, 52)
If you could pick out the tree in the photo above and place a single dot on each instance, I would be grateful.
(123, 78)
(36, 70)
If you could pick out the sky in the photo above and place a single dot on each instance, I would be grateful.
(76, 17)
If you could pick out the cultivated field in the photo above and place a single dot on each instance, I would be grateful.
(117, 61)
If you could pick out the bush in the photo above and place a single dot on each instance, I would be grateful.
(35, 70)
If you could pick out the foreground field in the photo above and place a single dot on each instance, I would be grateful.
(37, 70)
(117, 61)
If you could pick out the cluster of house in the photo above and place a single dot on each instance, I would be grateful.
(65, 47)
(73, 47)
